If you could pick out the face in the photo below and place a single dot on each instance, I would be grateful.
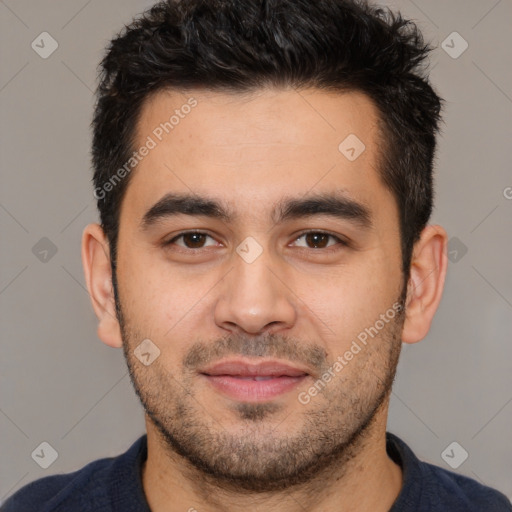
(272, 291)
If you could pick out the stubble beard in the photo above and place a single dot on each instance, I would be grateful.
(261, 454)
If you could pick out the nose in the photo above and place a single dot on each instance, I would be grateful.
(254, 298)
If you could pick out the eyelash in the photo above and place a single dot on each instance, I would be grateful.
(328, 249)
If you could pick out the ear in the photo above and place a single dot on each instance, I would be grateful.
(98, 277)
(426, 283)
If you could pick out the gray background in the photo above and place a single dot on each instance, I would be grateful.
(60, 384)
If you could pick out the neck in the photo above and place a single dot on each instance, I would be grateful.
(365, 479)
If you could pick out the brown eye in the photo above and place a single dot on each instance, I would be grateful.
(190, 240)
(194, 240)
(318, 240)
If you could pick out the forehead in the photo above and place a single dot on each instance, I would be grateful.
(264, 116)
(251, 149)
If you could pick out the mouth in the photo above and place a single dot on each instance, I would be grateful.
(254, 382)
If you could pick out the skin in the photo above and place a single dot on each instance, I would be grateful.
(296, 302)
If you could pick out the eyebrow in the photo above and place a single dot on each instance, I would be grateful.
(329, 204)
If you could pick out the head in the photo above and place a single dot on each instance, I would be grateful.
(297, 140)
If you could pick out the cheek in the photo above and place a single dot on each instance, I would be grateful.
(162, 302)
(145, 294)
(349, 299)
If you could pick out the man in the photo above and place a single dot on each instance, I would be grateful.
(263, 171)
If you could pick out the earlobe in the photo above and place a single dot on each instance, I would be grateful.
(426, 283)
(98, 277)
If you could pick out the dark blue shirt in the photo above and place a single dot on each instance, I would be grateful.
(114, 485)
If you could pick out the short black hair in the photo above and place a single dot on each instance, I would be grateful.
(243, 45)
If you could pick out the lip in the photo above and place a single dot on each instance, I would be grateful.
(254, 382)
(240, 367)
